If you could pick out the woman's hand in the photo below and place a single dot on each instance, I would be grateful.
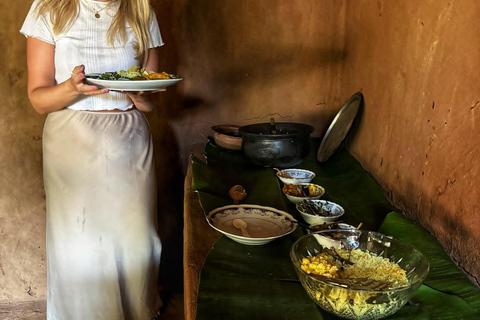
(78, 84)
(144, 100)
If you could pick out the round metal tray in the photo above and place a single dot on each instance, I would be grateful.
(338, 129)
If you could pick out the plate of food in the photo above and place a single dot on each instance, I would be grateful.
(133, 79)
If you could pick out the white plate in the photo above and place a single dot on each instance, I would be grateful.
(131, 85)
(264, 224)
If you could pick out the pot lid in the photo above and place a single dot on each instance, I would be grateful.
(338, 129)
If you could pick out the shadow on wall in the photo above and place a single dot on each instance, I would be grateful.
(356, 125)
(460, 241)
(237, 47)
(436, 220)
(226, 50)
(167, 163)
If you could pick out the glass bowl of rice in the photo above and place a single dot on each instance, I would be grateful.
(357, 274)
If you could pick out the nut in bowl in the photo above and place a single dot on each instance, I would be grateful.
(366, 275)
(319, 211)
(298, 192)
(295, 176)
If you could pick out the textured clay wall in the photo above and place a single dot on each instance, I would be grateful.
(22, 201)
(417, 65)
(247, 61)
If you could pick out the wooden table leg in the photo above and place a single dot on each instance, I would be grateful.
(198, 239)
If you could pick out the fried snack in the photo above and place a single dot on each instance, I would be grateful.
(156, 76)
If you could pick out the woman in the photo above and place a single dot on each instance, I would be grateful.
(103, 250)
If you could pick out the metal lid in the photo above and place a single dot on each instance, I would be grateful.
(338, 129)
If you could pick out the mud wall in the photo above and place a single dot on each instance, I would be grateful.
(416, 63)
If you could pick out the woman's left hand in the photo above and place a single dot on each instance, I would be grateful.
(143, 100)
(138, 94)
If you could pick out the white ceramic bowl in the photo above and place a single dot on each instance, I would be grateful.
(297, 176)
(264, 224)
(295, 199)
(333, 212)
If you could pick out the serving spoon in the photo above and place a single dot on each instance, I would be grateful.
(242, 225)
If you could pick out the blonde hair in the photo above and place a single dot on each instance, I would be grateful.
(137, 13)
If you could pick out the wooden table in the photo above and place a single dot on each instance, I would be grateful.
(446, 291)
(198, 239)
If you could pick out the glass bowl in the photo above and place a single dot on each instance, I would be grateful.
(352, 301)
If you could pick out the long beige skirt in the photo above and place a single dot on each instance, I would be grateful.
(103, 250)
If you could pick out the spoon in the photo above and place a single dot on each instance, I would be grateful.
(242, 225)
(273, 128)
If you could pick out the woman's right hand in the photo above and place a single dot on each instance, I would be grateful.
(43, 91)
(77, 81)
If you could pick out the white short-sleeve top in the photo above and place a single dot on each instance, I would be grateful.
(85, 43)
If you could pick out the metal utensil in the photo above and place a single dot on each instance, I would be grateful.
(301, 224)
(354, 283)
(273, 128)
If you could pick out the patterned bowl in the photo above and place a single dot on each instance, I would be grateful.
(295, 176)
(318, 191)
(332, 211)
(264, 224)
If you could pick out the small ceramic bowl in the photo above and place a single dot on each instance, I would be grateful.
(295, 176)
(314, 192)
(227, 136)
(331, 211)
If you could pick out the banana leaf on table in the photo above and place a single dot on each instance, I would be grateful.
(259, 282)
(344, 180)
